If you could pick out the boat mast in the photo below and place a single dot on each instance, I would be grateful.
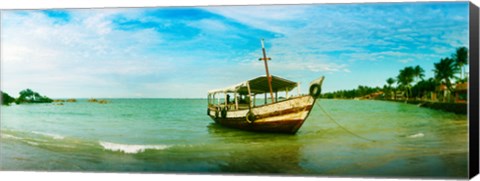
(269, 78)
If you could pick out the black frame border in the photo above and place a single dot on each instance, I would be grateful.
(473, 91)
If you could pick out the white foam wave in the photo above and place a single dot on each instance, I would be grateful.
(418, 135)
(10, 136)
(54, 136)
(32, 143)
(130, 149)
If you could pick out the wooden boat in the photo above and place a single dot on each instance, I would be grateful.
(274, 114)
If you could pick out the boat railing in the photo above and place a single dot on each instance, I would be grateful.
(230, 106)
(242, 106)
(280, 100)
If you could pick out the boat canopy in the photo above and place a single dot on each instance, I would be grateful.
(258, 85)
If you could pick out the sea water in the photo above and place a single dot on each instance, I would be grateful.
(348, 138)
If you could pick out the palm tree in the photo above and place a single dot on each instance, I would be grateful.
(390, 81)
(461, 59)
(419, 72)
(445, 70)
(430, 86)
(424, 88)
(405, 78)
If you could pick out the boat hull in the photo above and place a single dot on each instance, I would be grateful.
(285, 116)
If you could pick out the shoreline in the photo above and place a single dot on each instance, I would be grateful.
(457, 108)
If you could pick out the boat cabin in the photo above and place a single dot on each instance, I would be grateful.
(244, 95)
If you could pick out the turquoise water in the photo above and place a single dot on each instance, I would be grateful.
(176, 135)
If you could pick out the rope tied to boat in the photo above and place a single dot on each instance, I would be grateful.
(333, 120)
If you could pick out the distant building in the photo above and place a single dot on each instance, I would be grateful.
(460, 92)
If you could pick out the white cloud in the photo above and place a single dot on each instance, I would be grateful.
(210, 25)
(407, 60)
(89, 52)
(442, 49)
(309, 40)
(362, 33)
(268, 18)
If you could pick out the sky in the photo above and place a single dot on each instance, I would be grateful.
(183, 52)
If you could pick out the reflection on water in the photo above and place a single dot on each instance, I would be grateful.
(261, 153)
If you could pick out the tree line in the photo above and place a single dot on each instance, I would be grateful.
(411, 84)
(360, 91)
(26, 96)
